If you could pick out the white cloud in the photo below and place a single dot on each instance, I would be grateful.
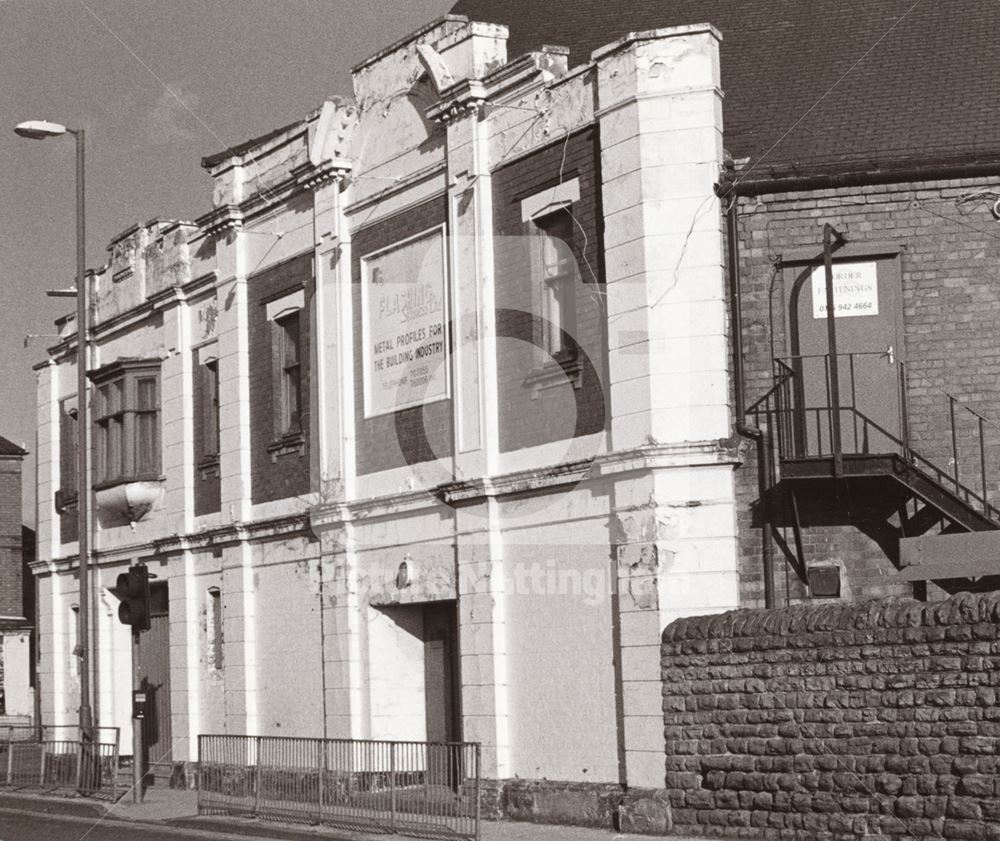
(169, 120)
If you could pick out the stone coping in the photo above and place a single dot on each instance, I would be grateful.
(960, 609)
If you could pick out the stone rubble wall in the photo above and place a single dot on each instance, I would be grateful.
(836, 722)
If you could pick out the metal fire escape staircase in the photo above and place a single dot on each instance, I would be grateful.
(832, 464)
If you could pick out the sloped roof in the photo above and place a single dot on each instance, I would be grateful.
(928, 90)
(10, 449)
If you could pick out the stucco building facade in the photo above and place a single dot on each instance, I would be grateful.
(433, 423)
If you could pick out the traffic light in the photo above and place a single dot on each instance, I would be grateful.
(132, 588)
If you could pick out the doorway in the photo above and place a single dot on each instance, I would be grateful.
(440, 672)
(413, 672)
(868, 298)
(154, 677)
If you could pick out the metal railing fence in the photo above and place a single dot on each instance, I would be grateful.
(412, 788)
(60, 759)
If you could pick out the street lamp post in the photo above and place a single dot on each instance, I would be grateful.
(39, 130)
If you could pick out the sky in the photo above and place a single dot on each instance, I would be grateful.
(235, 69)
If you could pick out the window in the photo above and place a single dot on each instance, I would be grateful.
(556, 270)
(210, 373)
(206, 373)
(288, 414)
(69, 454)
(551, 229)
(213, 628)
(147, 417)
(74, 637)
(207, 426)
(127, 422)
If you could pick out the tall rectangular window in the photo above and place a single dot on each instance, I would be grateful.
(69, 449)
(74, 639)
(214, 629)
(206, 404)
(210, 380)
(147, 434)
(127, 422)
(207, 439)
(556, 269)
(289, 390)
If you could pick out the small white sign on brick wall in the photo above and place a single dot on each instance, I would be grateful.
(855, 290)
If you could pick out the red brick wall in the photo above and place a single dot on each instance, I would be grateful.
(278, 476)
(950, 267)
(10, 537)
(529, 417)
(412, 436)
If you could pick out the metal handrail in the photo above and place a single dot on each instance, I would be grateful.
(786, 419)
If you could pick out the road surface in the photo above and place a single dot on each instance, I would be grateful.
(24, 825)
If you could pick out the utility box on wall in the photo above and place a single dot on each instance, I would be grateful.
(824, 582)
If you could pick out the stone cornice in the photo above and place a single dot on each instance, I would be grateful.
(196, 541)
(233, 533)
(547, 66)
(606, 466)
(437, 170)
(316, 176)
(158, 301)
(518, 76)
(221, 220)
(460, 100)
(206, 281)
(304, 177)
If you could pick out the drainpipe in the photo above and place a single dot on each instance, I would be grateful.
(742, 427)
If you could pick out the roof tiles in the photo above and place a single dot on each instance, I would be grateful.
(812, 84)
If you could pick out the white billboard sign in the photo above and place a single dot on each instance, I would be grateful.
(404, 324)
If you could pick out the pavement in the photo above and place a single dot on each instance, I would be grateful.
(177, 811)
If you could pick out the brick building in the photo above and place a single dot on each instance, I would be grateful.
(17, 595)
(436, 420)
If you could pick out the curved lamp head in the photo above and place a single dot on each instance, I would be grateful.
(39, 129)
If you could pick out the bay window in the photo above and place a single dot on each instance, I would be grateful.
(127, 422)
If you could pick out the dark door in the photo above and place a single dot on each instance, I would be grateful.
(441, 688)
(868, 298)
(440, 672)
(154, 677)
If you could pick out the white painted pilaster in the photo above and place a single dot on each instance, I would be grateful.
(673, 528)
(483, 635)
(177, 410)
(234, 378)
(240, 620)
(47, 462)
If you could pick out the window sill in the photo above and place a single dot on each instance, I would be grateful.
(208, 467)
(554, 373)
(128, 480)
(291, 444)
